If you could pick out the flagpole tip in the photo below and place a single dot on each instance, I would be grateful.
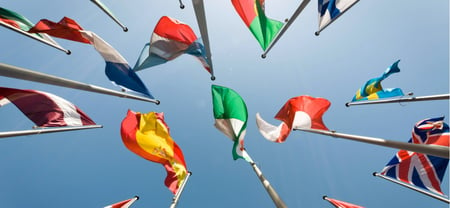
(324, 197)
(347, 104)
(125, 29)
(68, 52)
(213, 78)
(317, 33)
(157, 102)
(182, 6)
(263, 56)
(374, 173)
(137, 197)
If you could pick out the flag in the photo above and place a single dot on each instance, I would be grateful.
(22, 23)
(252, 13)
(147, 135)
(340, 204)
(421, 170)
(170, 39)
(230, 113)
(123, 204)
(330, 10)
(45, 109)
(117, 68)
(373, 90)
(298, 112)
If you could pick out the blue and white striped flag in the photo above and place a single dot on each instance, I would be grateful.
(330, 10)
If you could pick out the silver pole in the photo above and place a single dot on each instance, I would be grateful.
(30, 75)
(36, 38)
(436, 150)
(270, 190)
(438, 197)
(402, 99)
(286, 26)
(177, 195)
(199, 9)
(106, 10)
(45, 130)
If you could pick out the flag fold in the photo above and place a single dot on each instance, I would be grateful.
(298, 112)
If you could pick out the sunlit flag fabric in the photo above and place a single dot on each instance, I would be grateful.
(20, 22)
(341, 204)
(123, 204)
(421, 170)
(147, 135)
(372, 89)
(252, 13)
(45, 109)
(170, 39)
(298, 112)
(117, 68)
(230, 113)
(330, 10)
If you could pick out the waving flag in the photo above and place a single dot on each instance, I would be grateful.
(123, 204)
(170, 39)
(340, 204)
(298, 112)
(21, 24)
(230, 113)
(373, 90)
(45, 109)
(253, 14)
(330, 10)
(147, 135)
(424, 171)
(117, 68)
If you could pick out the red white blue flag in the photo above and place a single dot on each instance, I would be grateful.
(421, 170)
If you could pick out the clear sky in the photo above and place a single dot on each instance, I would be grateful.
(92, 168)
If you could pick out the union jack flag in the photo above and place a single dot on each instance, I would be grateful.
(421, 170)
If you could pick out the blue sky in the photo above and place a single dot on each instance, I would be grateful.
(92, 168)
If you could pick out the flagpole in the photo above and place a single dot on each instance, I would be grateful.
(104, 8)
(286, 26)
(36, 38)
(435, 150)
(45, 130)
(438, 197)
(401, 99)
(181, 4)
(30, 75)
(317, 33)
(177, 195)
(326, 199)
(199, 9)
(270, 190)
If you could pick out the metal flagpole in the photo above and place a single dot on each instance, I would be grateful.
(270, 190)
(401, 99)
(286, 26)
(106, 10)
(199, 9)
(317, 33)
(436, 150)
(46, 130)
(30, 75)
(181, 4)
(180, 190)
(439, 197)
(36, 38)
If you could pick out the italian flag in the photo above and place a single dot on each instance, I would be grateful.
(230, 113)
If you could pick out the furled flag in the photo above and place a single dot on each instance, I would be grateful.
(23, 24)
(252, 12)
(123, 204)
(340, 204)
(147, 135)
(298, 112)
(421, 170)
(117, 68)
(170, 39)
(373, 90)
(45, 109)
(230, 113)
(330, 10)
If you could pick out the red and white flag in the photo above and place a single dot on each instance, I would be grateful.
(45, 109)
(298, 112)
(123, 204)
(341, 204)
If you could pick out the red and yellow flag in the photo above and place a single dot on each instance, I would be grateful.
(147, 135)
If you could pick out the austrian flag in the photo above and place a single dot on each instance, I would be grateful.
(298, 112)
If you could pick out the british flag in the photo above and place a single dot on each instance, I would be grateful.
(421, 170)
